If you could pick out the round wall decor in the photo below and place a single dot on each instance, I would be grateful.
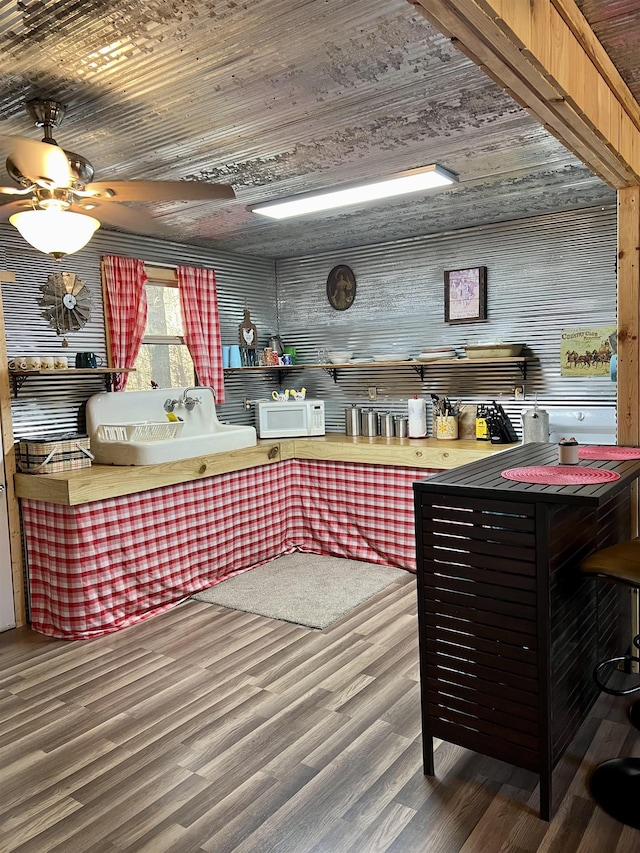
(65, 302)
(341, 287)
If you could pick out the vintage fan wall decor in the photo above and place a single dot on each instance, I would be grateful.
(61, 206)
(65, 303)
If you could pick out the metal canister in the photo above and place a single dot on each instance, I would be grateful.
(535, 425)
(275, 342)
(385, 424)
(352, 420)
(368, 422)
(401, 426)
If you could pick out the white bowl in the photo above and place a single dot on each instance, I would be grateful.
(340, 356)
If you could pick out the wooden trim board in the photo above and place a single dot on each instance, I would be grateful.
(9, 453)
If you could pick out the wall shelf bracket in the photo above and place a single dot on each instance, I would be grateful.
(17, 381)
(333, 373)
(19, 377)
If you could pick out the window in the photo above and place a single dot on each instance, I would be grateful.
(163, 358)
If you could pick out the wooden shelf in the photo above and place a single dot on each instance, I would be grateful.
(519, 362)
(19, 377)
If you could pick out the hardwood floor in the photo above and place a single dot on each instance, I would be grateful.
(206, 729)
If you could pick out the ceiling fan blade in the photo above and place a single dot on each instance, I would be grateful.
(15, 190)
(135, 220)
(162, 190)
(42, 163)
(7, 210)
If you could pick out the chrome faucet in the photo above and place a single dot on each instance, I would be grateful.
(188, 402)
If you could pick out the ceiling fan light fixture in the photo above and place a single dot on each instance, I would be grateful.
(53, 199)
(55, 232)
(403, 183)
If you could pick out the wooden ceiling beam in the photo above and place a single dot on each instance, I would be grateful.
(546, 56)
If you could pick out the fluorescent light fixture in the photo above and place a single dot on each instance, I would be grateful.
(416, 180)
(55, 232)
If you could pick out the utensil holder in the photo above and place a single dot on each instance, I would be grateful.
(447, 427)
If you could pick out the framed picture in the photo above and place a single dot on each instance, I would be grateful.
(341, 287)
(465, 295)
(586, 351)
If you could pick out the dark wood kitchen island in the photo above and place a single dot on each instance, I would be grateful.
(508, 628)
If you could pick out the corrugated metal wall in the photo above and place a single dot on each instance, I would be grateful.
(544, 274)
(51, 404)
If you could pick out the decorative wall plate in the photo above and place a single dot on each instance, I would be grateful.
(65, 302)
(341, 287)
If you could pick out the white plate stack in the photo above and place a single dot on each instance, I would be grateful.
(391, 356)
(434, 353)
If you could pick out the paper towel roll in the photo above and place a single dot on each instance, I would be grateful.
(417, 418)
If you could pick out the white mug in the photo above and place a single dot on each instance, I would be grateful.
(34, 362)
(47, 362)
(18, 362)
(61, 362)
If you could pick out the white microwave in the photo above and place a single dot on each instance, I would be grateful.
(289, 419)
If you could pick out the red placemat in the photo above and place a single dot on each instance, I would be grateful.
(560, 475)
(609, 452)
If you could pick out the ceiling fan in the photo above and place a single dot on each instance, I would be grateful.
(50, 178)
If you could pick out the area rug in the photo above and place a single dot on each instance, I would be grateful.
(303, 588)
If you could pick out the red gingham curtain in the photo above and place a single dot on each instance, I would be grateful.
(126, 310)
(199, 304)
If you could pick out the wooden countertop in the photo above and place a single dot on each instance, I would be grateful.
(71, 488)
(379, 450)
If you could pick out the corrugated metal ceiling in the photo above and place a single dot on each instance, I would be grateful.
(616, 23)
(283, 96)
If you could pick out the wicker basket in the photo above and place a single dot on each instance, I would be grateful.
(142, 431)
(50, 454)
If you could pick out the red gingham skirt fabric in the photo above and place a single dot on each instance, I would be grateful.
(363, 512)
(102, 566)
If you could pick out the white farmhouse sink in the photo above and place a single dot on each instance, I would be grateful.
(114, 440)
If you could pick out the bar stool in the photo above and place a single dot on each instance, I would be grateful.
(618, 564)
(615, 784)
